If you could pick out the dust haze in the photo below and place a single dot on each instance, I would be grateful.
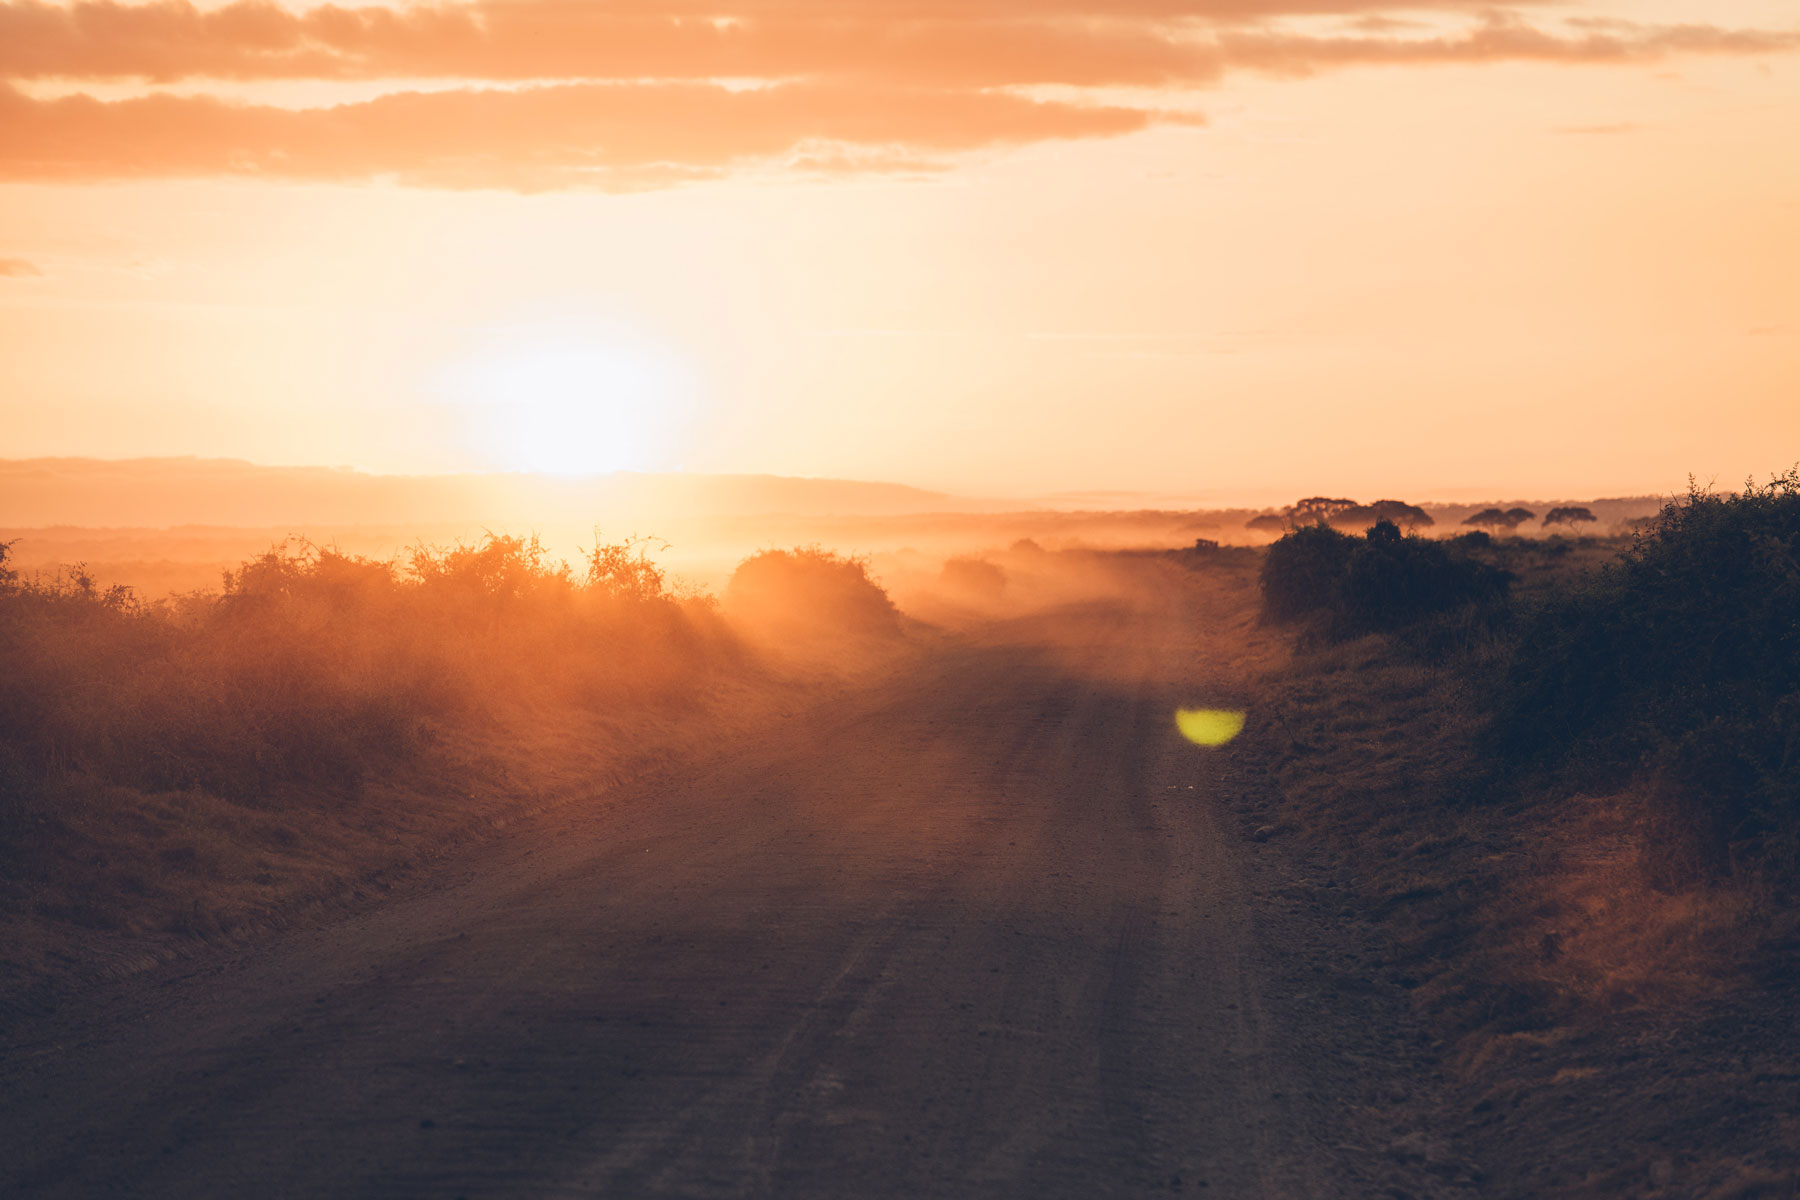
(1333, 848)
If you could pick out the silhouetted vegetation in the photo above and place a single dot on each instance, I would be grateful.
(181, 764)
(810, 591)
(1400, 514)
(1342, 513)
(1569, 515)
(1301, 573)
(1679, 665)
(1674, 670)
(623, 570)
(314, 668)
(1317, 510)
(1267, 523)
(1384, 580)
(1503, 519)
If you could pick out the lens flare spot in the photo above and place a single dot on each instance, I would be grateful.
(1209, 726)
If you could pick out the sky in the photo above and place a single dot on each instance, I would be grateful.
(1233, 249)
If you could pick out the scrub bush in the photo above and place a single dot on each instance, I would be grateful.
(1382, 581)
(809, 592)
(1680, 664)
(1301, 571)
(313, 668)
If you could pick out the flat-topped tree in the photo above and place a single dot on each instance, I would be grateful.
(1268, 523)
(1317, 510)
(1495, 518)
(1407, 516)
(1572, 514)
(1398, 513)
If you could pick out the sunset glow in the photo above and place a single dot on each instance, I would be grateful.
(1222, 247)
(564, 402)
(887, 599)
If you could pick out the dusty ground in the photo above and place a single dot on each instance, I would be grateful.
(988, 929)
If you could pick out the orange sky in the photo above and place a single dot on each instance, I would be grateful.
(1233, 248)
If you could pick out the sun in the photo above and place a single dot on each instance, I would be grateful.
(565, 401)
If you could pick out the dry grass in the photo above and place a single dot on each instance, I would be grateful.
(1505, 918)
(213, 767)
(1637, 1038)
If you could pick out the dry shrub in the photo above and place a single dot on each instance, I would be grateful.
(1380, 582)
(809, 593)
(1679, 665)
(147, 751)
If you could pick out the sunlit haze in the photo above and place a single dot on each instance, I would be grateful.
(567, 396)
(882, 599)
(1234, 248)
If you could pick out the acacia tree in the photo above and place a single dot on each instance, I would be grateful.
(1495, 518)
(1398, 513)
(1316, 510)
(1267, 523)
(1569, 515)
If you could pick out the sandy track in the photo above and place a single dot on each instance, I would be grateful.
(975, 933)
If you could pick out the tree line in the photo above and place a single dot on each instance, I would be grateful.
(1350, 515)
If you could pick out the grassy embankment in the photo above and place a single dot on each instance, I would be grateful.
(1572, 806)
(209, 766)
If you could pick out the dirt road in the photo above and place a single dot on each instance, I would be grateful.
(978, 931)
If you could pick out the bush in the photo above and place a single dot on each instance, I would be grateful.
(809, 591)
(1680, 664)
(1724, 796)
(1382, 581)
(1393, 581)
(1301, 571)
(623, 570)
(315, 669)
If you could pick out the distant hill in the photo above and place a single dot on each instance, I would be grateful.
(164, 492)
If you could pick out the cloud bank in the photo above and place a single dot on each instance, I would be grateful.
(605, 135)
(635, 93)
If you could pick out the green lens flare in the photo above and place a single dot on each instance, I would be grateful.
(1208, 726)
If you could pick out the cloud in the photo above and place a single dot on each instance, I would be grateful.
(495, 40)
(1501, 38)
(17, 268)
(616, 136)
(630, 93)
(974, 43)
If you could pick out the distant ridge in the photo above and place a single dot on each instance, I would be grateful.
(164, 492)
